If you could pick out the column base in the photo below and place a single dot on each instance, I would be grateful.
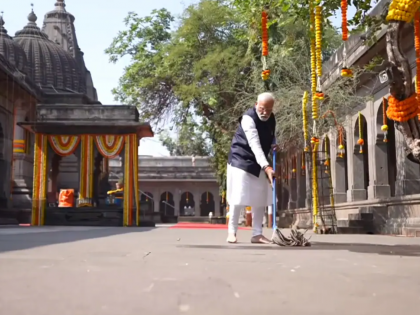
(379, 191)
(407, 187)
(340, 197)
(357, 194)
(292, 205)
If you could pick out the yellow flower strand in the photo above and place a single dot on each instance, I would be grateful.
(402, 10)
(313, 61)
(318, 39)
(305, 120)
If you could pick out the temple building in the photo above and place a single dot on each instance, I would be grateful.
(62, 151)
(376, 188)
(176, 188)
(56, 137)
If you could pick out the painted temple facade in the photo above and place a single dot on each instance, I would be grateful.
(382, 183)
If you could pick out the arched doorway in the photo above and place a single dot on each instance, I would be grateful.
(324, 173)
(385, 148)
(167, 204)
(147, 205)
(360, 160)
(187, 204)
(207, 204)
(340, 175)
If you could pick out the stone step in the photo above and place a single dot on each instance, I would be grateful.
(351, 230)
(361, 216)
(411, 231)
(8, 221)
(354, 223)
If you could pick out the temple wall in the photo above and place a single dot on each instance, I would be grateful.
(6, 149)
(381, 182)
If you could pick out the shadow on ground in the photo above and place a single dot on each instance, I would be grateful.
(389, 250)
(21, 241)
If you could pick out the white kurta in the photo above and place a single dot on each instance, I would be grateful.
(244, 189)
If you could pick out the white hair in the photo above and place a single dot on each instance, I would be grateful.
(266, 96)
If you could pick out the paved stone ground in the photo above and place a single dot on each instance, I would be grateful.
(127, 271)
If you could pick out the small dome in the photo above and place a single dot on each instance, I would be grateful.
(12, 51)
(48, 63)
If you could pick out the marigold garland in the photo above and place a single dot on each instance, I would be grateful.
(340, 142)
(384, 127)
(402, 10)
(313, 61)
(264, 20)
(345, 32)
(265, 74)
(417, 46)
(305, 120)
(402, 110)
(318, 39)
(360, 142)
(346, 72)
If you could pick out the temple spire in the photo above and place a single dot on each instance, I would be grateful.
(32, 16)
(60, 5)
(3, 31)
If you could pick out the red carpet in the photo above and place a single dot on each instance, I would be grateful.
(191, 225)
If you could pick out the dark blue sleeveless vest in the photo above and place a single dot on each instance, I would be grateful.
(241, 155)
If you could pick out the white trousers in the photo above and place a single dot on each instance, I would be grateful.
(257, 219)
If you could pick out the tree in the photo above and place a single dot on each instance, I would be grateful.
(189, 141)
(209, 68)
(399, 70)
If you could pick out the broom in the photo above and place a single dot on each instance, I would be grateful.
(296, 238)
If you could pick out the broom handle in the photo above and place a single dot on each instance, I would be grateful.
(274, 190)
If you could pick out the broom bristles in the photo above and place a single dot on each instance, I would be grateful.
(296, 238)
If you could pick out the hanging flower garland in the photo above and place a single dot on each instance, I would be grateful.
(360, 142)
(265, 75)
(64, 145)
(327, 155)
(294, 164)
(344, 29)
(402, 111)
(402, 10)
(318, 50)
(417, 46)
(345, 72)
(305, 120)
(315, 202)
(313, 62)
(384, 127)
(340, 142)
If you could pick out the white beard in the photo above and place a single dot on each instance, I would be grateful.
(262, 119)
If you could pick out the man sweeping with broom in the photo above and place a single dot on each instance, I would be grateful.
(248, 168)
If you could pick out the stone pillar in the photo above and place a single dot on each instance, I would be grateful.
(177, 199)
(301, 180)
(408, 182)
(216, 196)
(197, 200)
(156, 200)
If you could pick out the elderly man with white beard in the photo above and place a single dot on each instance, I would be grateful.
(249, 175)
